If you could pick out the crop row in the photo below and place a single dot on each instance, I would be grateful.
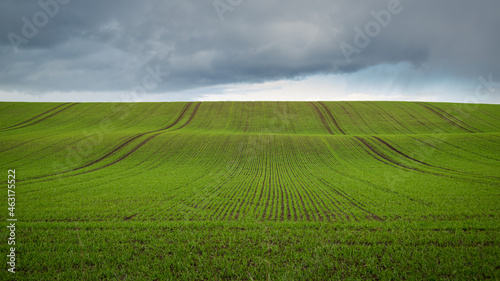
(336, 118)
(319, 161)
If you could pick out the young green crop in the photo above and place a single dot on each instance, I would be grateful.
(322, 190)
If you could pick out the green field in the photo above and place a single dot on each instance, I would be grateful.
(252, 190)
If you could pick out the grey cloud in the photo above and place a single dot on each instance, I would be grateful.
(106, 45)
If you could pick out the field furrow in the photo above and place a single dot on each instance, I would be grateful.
(34, 119)
(329, 113)
(328, 162)
(321, 117)
(450, 119)
(121, 146)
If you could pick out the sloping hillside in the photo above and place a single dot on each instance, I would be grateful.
(278, 161)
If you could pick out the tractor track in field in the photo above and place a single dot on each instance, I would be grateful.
(406, 156)
(189, 120)
(451, 117)
(35, 117)
(329, 113)
(288, 171)
(39, 120)
(21, 144)
(439, 112)
(387, 190)
(156, 133)
(390, 191)
(413, 116)
(322, 118)
(350, 114)
(461, 148)
(346, 112)
(480, 120)
(387, 159)
(489, 114)
(435, 126)
(496, 143)
(459, 174)
(401, 125)
(39, 154)
(359, 117)
(423, 142)
(427, 164)
(126, 143)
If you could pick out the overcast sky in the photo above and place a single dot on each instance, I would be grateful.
(173, 50)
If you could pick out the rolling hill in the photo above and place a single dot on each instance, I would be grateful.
(309, 171)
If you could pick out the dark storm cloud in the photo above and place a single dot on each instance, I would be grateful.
(113, 45)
